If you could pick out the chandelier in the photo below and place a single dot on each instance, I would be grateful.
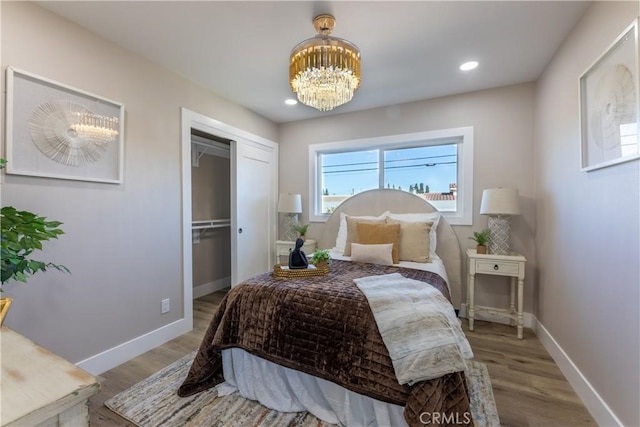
(324, 71)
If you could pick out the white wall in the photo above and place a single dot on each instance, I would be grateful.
(503, 150)
(122, 242)
(587, 238)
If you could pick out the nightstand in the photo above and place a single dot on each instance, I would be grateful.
(284, 246)
(497, 265)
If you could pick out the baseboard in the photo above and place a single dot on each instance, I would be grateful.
(594, 403)
(119, 354)
(207, 288)
(527, 318)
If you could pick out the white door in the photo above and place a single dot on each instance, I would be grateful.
(253, 210)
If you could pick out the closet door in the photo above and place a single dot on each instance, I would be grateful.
(253, 233)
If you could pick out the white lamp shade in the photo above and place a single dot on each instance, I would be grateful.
(290, 203)
(500, 201)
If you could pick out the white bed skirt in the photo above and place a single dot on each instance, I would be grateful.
(288, 390)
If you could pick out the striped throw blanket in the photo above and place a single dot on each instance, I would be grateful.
(418, 326)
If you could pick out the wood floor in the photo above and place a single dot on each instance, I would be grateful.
(528, 387)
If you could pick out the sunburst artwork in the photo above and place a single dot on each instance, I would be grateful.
(54, 130)
(609, 105)
(69, 133)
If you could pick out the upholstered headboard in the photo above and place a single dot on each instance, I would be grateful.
(375, 202)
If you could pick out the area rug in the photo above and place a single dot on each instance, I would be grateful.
(153, 402)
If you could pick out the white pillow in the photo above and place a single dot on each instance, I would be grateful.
(379, 253)
(423, 217)
(341, 238)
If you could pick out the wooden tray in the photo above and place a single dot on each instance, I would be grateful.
(278, 271)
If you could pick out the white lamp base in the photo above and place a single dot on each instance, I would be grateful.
(499, 236)
(288, 222)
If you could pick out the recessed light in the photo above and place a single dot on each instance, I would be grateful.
(469, 65)
(290, 101)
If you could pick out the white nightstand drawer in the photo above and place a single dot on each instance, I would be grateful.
(497, 267)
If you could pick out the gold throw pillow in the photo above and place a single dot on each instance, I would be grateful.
(369, 233)
(352, 231)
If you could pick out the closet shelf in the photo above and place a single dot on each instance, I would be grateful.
(210, 223)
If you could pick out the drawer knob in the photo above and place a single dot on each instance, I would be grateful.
(496, 267)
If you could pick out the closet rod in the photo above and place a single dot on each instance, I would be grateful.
(203, 227)
(212, 144)
(212, 223)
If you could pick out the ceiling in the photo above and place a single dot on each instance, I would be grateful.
(410, 50)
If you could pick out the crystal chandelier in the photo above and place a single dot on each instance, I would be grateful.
(324, 71)
(95, 128)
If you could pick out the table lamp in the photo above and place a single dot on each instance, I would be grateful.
(290, 205)
(500, 204)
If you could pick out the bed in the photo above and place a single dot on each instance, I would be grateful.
(313, 344)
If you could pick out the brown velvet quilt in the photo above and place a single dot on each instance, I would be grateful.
(322, 326)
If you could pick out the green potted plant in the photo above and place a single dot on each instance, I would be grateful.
(481, 238)
(320, 258)
(301, 229)
(21, 234)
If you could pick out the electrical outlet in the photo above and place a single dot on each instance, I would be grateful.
(165, 306)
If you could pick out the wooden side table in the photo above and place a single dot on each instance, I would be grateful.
(497, 265)
(284, 246)
(40, 388)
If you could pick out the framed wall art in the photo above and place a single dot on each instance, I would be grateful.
(56, 131)
(610, 105)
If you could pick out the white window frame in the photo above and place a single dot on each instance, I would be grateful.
(464, 213)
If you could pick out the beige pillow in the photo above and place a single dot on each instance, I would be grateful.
(352, 230)
(380, 233)
(423, 217)
(374, 254)
(414, 240)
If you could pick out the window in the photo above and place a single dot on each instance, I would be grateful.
(437, 166)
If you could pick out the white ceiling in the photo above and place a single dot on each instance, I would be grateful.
(410, 50)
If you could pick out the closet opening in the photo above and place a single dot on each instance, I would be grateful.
(211, 212)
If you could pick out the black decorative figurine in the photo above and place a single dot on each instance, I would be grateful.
(297, 258)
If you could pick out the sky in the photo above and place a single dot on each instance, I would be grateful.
(352, 172)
